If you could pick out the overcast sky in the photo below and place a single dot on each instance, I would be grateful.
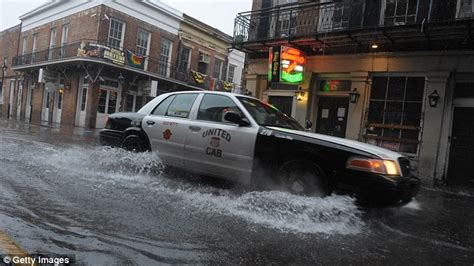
(217, 13)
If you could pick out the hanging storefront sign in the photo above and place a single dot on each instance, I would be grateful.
(116, 56)
(99, 51)
(286, 65)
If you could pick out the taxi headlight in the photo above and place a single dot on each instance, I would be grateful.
(385, 167)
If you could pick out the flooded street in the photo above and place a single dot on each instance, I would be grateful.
(61, 193)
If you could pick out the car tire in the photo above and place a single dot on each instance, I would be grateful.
(133, 143)
(304, 177)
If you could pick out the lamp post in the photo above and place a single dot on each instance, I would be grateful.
(123, 101)
(4, 69)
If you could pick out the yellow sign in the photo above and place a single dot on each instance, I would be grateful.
(116, 56)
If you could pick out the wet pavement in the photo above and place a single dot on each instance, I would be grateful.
(61, 193)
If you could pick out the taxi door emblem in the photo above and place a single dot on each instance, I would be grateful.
(215, 142)
(167, 134)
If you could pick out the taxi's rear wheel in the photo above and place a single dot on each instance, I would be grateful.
(133, 143)
(304, 177)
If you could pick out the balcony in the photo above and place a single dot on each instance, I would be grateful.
(90, 51)
(352, 26)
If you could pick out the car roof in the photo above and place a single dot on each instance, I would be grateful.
(213, 92)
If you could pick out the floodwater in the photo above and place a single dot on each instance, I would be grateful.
(61, 193)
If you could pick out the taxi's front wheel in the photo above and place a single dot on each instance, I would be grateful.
(133, 143)
(304, 177)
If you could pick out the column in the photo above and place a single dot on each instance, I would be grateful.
(355, 116)
(432, 127)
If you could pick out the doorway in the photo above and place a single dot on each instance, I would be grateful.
(332, 116)
(82, 104)
(19, 99)
(109, 100)
(461, 156)
(29, 97)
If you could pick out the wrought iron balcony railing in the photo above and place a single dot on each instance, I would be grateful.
(298, 20)
(100, 52)
(94, 50)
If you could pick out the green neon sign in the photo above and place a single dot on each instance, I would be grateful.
(292, 78)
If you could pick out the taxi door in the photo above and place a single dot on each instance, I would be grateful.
(218, 147)
(167, 127)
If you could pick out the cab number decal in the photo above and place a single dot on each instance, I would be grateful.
(266, 132)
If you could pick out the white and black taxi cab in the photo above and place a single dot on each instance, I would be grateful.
(242, 139)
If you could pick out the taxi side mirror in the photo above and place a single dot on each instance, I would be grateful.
(236, 119)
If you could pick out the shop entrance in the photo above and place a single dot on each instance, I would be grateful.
(461, 156)
(332, 116)
(109, 100)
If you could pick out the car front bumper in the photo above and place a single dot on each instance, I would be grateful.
(379, 189)
(109, 137)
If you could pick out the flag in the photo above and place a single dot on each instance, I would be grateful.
(135, 60)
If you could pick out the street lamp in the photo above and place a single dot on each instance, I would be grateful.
(354, 94)
(433, 98)
(121, 79)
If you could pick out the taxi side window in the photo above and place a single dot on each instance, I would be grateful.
(214, 107)
(181, 105)
(163, 106)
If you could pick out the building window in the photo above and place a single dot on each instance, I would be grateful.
(203, 62)
(142, 42)
(400, 12)
(231, 73)
(33, 50)
(394, 115)
(116, 31)
(184, 62)
(25, 45)
(218, 68)
(52, 43)
(64, 37)
(165, 57)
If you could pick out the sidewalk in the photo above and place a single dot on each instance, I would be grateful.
(51, 131)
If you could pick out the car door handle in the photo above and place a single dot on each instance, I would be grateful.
(149, 122)
(194, 128)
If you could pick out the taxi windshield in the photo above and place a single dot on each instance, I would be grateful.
(267, 115)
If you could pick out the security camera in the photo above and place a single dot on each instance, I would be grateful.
(106, 17)
(101, 79)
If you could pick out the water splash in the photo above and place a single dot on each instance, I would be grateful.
(272, 209)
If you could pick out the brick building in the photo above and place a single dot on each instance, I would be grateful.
(78, 61)
(9, 40)
(394, 73)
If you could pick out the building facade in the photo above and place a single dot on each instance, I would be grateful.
(76, 62)
(397, 74)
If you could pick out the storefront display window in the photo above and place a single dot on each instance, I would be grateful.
(394, 115)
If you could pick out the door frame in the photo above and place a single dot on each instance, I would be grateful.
(81, 84)
(316, 109)
(457, 103)
(117, 104)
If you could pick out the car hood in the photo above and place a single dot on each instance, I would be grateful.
(377, 151)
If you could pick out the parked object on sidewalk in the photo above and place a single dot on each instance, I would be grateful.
(242, 139)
